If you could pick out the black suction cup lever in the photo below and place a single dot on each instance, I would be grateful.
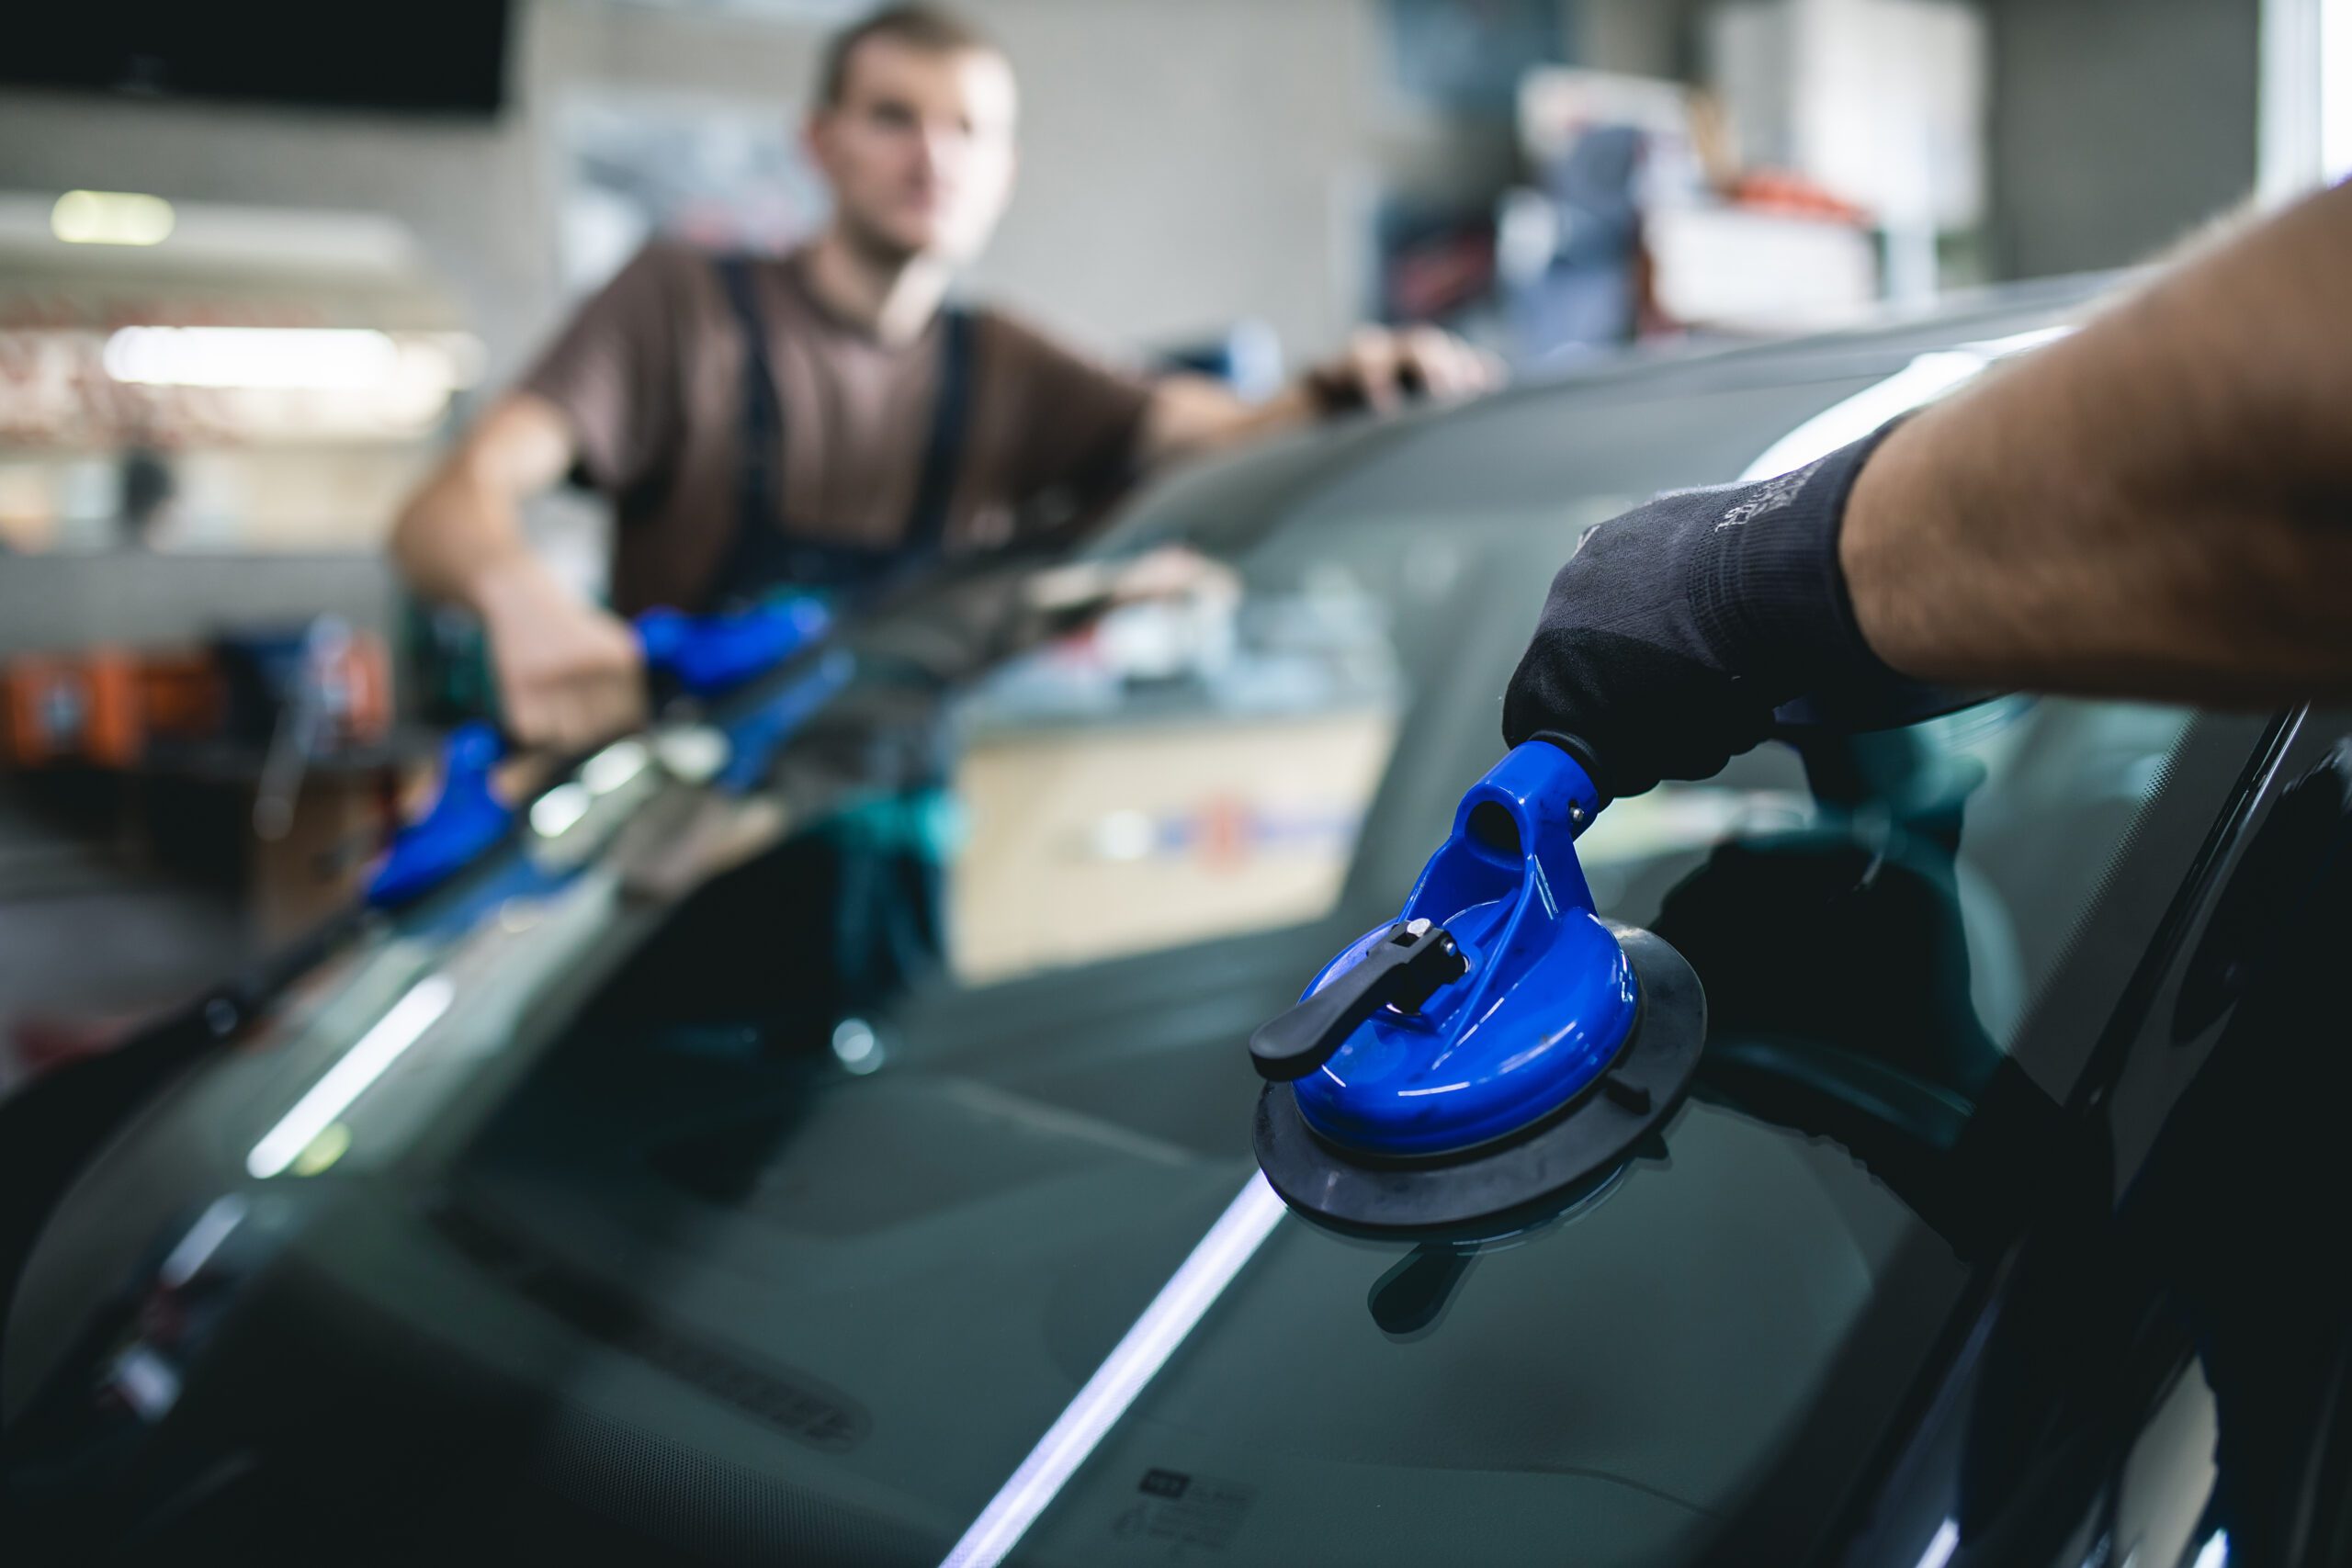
(1401, 971)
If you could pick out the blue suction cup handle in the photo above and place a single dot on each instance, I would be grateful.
(466, 820)
(705, 655)
(1588, 767)
(1517, 824)
(708, 654)
(1522, 819)
(1411, 959)
(1554, 775)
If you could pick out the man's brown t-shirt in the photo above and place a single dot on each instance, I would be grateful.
(650, 375)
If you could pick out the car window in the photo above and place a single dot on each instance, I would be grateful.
(2013, 807)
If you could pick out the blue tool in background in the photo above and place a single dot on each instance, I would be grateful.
(707, 655)
(1496, 1051)
(700, 656)
(463, 823)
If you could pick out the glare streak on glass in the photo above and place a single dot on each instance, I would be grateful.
(1928, 375)
(613, 766)
(2215, 1553)
(203, 1239)
(1187, 1296)
(1939, 1549)
(1926, 378)
(349, 1079)
(693, 753)
(560, 809)
(147, 1382)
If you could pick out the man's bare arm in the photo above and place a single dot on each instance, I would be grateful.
(2158, 506)
(569, 673)
(464, 522)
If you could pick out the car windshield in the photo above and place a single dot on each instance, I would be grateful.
(978, 1255)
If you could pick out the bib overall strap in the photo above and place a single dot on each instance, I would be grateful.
(943, 456)
(759, 556)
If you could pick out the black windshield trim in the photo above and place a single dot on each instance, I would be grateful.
(2163, 951)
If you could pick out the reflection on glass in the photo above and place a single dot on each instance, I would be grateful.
(352, 1074)
(1174, 1313)
(1184, 768)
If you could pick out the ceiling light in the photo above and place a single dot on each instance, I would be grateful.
(110, 218)
(319, 359)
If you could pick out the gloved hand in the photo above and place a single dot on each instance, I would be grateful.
(1676, 629)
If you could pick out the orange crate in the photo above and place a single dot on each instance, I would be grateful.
(82, 707)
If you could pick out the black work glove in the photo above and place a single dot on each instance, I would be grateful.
(1676, 629)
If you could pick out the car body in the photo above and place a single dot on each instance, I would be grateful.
(517, 1227)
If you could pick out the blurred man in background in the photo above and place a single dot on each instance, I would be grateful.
(149, 489)
(822, 420)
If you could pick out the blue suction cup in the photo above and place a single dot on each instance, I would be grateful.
(706, 655)
(709, 654)
(461, 825)
(1496, 1046)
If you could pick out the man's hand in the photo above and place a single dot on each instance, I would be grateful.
(1676, 629)
(1381, 370)
(1384, 367)
(570, 675)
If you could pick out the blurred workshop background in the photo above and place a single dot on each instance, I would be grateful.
(250, 285)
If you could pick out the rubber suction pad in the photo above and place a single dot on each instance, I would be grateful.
(1516, 1181)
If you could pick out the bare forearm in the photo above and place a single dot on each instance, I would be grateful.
(1192, 416)
(455, 533)
(2160, 505)
(569, 674)
(464, 526)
